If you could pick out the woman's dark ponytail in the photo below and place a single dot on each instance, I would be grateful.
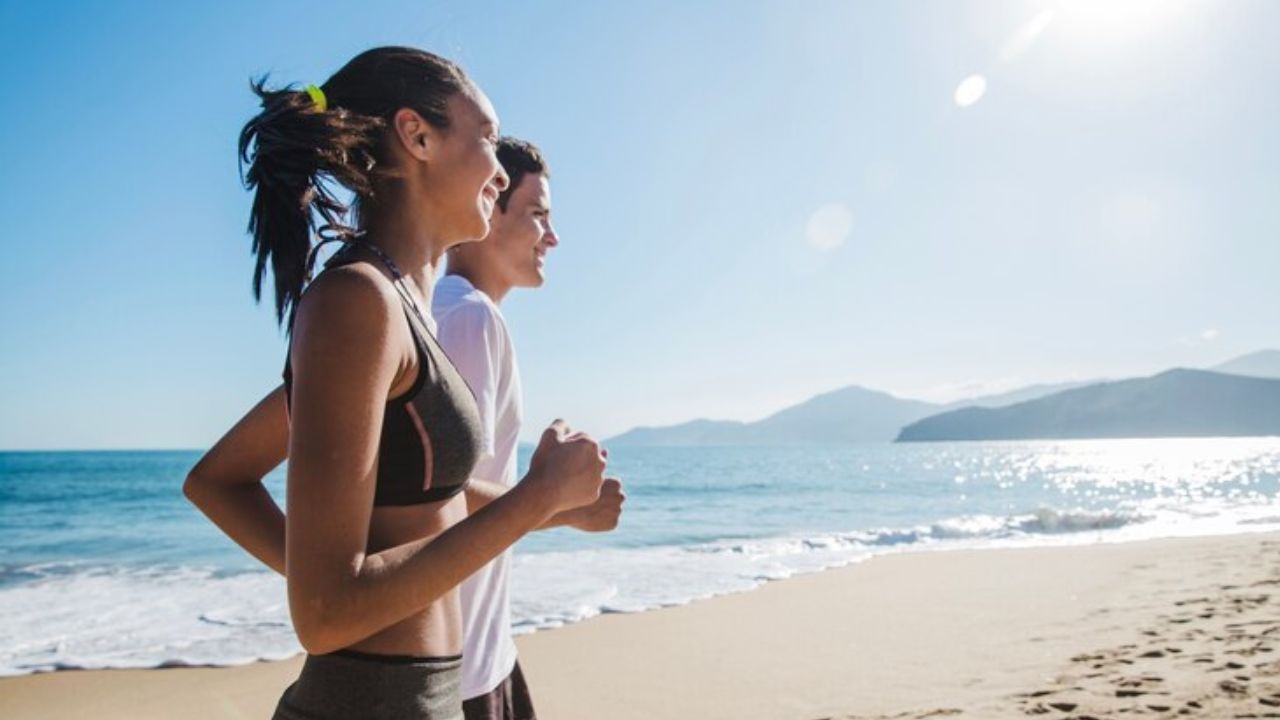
(293, 148)
(303, 142)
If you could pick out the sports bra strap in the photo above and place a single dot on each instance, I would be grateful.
(397, 281)
(397, 278)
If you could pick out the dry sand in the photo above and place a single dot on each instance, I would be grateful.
(1181, 628)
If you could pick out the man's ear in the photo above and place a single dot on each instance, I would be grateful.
(417, 136)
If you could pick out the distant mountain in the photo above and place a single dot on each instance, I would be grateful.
(1176, 403)
(856, 414)
(851, 414)
(1264, 364)
(1030, 392)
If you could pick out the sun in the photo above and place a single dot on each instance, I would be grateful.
(1117, 17)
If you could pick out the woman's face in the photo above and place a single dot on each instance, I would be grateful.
(467, 177)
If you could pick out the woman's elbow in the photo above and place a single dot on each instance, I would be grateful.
(193, 487)
(319, 633)
(315, 641)
(205, 483)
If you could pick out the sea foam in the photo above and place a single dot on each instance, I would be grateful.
(64, 615)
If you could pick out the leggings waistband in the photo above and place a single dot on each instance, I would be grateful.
(396, 659)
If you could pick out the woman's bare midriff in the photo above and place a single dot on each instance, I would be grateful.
(436, 630)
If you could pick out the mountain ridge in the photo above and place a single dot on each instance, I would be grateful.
(855, 413)
(1180, 402)
(1262, 363)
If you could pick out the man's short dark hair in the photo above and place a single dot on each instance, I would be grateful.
(518, 158)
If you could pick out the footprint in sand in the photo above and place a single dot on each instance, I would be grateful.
(1232, 687)
(913, 715)
(1220, 649)
(1038, 693)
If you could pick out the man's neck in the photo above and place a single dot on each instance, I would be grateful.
(495, 288)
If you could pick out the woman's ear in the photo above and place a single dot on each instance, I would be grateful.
(416, 136)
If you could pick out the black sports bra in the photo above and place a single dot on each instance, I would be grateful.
(431, 433)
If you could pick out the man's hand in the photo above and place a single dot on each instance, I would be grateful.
(601, 515)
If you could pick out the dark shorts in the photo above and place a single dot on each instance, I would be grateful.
(509, 701)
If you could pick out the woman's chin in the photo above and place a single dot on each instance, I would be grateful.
(476, 229)
(533, 278)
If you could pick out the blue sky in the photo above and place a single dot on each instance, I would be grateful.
(757, 201)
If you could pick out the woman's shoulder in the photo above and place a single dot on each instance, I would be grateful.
(354, 300)
(357, 284)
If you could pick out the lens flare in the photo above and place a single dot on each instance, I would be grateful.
(971, 90)
(829, 226)
(1025, 36)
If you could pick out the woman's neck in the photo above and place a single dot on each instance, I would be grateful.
(413, 243)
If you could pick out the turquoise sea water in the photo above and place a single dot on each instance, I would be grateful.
(104, 564)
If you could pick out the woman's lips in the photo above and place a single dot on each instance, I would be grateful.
(490, 198)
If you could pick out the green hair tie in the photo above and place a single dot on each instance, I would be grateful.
(317, 97)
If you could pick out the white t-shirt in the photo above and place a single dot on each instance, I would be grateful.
(474, 335)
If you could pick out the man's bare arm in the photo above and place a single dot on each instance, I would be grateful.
(600, 516)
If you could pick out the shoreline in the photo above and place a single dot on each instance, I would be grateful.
(967, 632)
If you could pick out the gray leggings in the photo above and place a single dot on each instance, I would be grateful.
(353, 685)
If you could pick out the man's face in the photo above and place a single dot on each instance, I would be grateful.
(521, 235)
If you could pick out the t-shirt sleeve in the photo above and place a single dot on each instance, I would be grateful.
(470, 335)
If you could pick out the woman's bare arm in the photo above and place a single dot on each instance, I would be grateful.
(348, 353)
(226, 484)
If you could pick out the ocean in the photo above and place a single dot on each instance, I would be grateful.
(103, 563)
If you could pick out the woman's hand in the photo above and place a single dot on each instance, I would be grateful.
(567, 468)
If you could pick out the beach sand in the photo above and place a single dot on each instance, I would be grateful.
(1185, 628)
